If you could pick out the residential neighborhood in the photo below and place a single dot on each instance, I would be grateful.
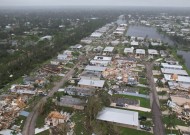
(123, 78)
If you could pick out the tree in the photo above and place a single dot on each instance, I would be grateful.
(171, 121)
(94, 105)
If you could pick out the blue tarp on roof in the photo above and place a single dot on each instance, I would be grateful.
(24, 113)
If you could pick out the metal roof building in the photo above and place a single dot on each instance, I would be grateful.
(177, 78)
(140, 51)
(108, 49)
(95, 68)
(119, 116)
(92, 83)
(174, 71)
(166, 65)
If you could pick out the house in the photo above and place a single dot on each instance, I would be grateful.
(129, 51)
(108, 50)
(177, 78)
(86, 41)
(99, 63)
(125, 42)
(174, 71)
(155, 44)
(152, 53)
(102, 58)
(163, 53)
(123, 118)
(140, 53)
(178, 86)
(76, 47)
(95, 68)
(90, 75)
(96, 35)
(116, 42)
(62, 57)
(69, 101)
(55, 118)
(98, 49)
(23, 89)
(134, 43)
(79, 91)
(171, 61)
(169, 66)
(88, 83)
(123, 102)
(140, 39)
(46, 38)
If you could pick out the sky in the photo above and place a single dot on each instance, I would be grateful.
(157, 3)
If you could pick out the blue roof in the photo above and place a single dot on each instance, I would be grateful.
(24, 113)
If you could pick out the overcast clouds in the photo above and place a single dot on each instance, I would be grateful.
(166, 3)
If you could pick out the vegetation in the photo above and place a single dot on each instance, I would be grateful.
(143, 102)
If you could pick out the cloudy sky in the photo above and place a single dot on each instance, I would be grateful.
(166, 3)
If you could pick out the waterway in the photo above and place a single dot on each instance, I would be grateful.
(186, 57)
(148, 32)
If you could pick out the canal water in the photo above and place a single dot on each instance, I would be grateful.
(149, 32)
(186, 57)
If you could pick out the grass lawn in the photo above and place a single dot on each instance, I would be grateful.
(141, 113)
(18, 121)
(129, 131)
(143, 102)
(79, 119)
(176, 120)
(40, 121)
(168, 131)
(143, 81)
(143, 90)
(46, 132)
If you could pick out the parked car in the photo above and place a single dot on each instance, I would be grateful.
(142, 118)
(145, 127)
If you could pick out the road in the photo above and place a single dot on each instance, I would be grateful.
(29, 126)
(155, 105)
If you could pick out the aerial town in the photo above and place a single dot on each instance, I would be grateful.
(126, 77)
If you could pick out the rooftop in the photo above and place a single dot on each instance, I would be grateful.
(174, 71)
(95, 68)
(152, 51)
(128, 50)
(119, 116)
(166, 65)
(103, 58)
(134, 43)
(140, 51)
(108, 49)
(95, 83)
(174, 77)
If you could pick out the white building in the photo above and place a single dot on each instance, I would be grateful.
(129, 50)
(152, 52)
(108, 49)
(119, 116)
(91, 83)
(140, 52)
(134, 43)
(95, 68)
(166, 65)
(102, 58)
(177, 78)
(174, 71)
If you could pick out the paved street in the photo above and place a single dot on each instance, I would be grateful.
(29, 127)
(156, 112)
